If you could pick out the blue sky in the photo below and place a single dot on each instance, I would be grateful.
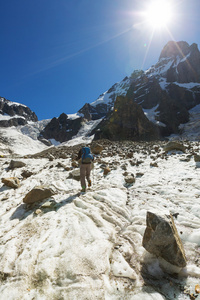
(56, 55)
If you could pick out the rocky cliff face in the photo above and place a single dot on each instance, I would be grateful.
(185, 59)
(127, 122)
(62, 128)
(14, 114)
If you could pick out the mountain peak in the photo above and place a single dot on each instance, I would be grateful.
(173, 49)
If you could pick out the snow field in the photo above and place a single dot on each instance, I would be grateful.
(90, 246)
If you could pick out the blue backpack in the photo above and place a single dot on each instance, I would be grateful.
(87, 157)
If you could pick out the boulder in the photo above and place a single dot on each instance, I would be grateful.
(75, 164)
(26, 174)
(106, 170)
(75, 174)
(170, 146)
(12, 182)
(161, 238)
(197, 158)
(96, 148)
(130, 179)
(16, 164)
(38, 194)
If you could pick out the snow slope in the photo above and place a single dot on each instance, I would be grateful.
(12, 140)
(89, 246)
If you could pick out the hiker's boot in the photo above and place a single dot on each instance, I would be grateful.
(83, 189)
(89, 183)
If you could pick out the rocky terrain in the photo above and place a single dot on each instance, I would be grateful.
(59, 244)
(135, 233)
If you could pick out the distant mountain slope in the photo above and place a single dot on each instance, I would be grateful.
(14, 114)
(151, 104)
(168, 89)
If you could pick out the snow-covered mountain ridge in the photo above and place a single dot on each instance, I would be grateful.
(166, 93)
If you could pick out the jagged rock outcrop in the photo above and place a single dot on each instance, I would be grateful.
(16, 164)
(91, 113)
(161, 238)
(127, 122)
(62, 128)
(14, 114)
(186, 62)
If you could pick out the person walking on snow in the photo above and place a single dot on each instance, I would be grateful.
(85, 159)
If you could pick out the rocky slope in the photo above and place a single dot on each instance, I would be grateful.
(14, 114)
(90, 246)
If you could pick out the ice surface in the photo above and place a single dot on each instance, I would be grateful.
(90, 245)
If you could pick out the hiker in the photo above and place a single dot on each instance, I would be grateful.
(85, 159)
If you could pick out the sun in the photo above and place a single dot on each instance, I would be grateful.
(158, 14)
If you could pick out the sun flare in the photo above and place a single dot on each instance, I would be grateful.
(159, 13)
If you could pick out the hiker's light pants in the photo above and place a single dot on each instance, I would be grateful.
(85, 170)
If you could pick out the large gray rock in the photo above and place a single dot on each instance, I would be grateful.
(130, 179)
(161, 238)
(38, 194)
(173, 145)
(16, 164)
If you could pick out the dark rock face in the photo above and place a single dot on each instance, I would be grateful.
(174, 49)
(127, 122)
(186, 62)
(161, 238)
(19, 113)
(92, 113)
(13, 122)
(62, 129)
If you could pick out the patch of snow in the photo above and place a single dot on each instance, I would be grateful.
(74, 116)
(10, 103)
(163, 83)
(160, 69)
(5, 117)
(191, 129)
(189, 85)
(104, 99)
(120, 89)
(151, 115)
(54, 142)
(82, 137)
